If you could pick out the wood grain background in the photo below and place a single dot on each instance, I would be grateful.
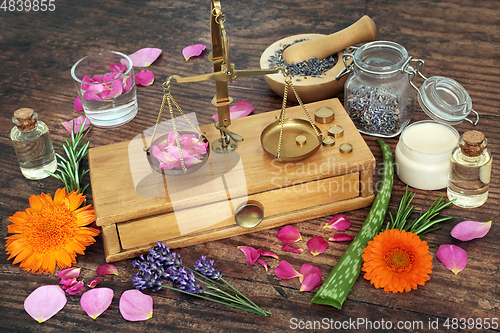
(456, 38)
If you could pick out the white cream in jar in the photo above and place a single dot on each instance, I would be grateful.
(423, 154)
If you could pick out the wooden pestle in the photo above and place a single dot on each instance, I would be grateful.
(363, 30)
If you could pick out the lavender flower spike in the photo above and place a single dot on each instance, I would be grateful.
(207, 269)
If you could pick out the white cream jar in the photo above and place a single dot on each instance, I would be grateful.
(423, 154)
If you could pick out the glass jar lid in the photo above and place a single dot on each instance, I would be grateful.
(381, 57)
(445, 100)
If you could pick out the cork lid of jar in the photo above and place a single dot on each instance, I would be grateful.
(25, 119)
(473, 143)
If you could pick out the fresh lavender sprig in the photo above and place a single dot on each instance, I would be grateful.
(160, 263)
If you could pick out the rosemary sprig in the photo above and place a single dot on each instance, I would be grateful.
(69, 167)
(425, 222)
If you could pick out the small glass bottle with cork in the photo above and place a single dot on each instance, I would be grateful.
(470, 172)
(32, 144)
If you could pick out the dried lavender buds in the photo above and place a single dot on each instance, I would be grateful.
(378, 110)
(313, 67)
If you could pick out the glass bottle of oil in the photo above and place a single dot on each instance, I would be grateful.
(469, 176)
(32, 144)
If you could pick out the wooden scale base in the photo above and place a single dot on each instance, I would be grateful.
(136, 206)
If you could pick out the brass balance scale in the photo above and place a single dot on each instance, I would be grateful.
(253, 180)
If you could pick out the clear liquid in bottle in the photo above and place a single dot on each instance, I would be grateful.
(469, 176)
(32, 144)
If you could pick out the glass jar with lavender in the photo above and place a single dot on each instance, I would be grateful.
(378, 95)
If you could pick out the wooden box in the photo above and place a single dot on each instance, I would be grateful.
(137, 206)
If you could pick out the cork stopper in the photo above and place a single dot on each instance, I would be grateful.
(473, 143)
(25, 119)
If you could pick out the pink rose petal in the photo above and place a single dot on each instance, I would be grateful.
(240, 110)
(74, 288)
(77, 105)
(292, 249)
(286, 271)
(341, 237)
(144, 78)
(250, 253)
(106, 269)
(118, 67)
(269, 254)
(96, 301)
(307, 269)
(339, 223)
(468, 230)
(69, 273)
(193, 51)
(75, 124)
(289, 234)
(87, 96)
(310, 282)
(44, 302)
(145, 57)
(453, 257)
(136, 306)
(263, 263)
(317, 245)
(93, 283)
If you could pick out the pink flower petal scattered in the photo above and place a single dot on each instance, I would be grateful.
(453, 257)
(468, 230)
(307, 269)
(136, 306)
(44, 302)
(96, 301)
(287, 247)
(263, 263)
(74, 288)
(341, 237)
(317, 245)
(93, 283)
(240, 110)
(289, 234)
(286, 271)
(106, 269)
(69, 273)
(77, 105)
(145, 57)
(144, 78)
(250, 253)
(339, 223)
(269, 254)
(77, 123)
(310, 282)
(193, 51)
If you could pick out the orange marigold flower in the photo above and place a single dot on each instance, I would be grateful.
(397, 261)
(50, 232)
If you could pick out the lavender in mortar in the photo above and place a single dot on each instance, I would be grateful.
(313, 67)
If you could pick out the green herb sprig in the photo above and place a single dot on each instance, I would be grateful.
(425, 222)
(69, 167)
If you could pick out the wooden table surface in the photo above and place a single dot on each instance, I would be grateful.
(459, 39)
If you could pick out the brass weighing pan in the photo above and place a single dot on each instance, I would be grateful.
(293, 146)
